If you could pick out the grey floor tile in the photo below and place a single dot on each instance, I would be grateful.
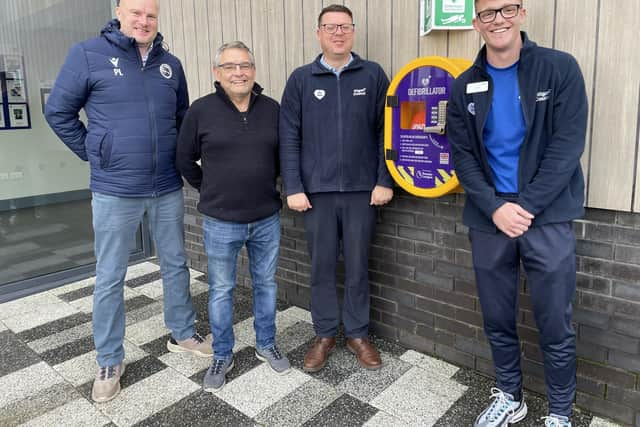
(186, 363)
(148, 396)
(68, 351)
(137, 302)
(157, 347)
(82, 369)
(143, 313)
(147, 330)
(366, 385)
(33, 317)
(260, 388)
(77, 294)
(382, 344)
(133, 372)
(54, 327)
(198, 409)
(78, 412)
(37, 404)
(143, 279)
(27, 382)
(382, 419)
(298, 406)
(140, 269)
(345, 411)
(294, 336)
(50, 342)
(418, 397)
(14, 354)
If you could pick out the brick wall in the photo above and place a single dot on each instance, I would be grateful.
(423, 293)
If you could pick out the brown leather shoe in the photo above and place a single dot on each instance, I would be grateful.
(317, 355)
(365, 352)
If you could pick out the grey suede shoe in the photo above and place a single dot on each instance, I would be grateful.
(276, 360)
(215, 378)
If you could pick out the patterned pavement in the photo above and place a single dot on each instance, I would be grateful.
(47, 364)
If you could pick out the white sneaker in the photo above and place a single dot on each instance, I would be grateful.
(502, 411)
(553, 420)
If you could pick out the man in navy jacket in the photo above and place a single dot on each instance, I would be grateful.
(333, 170)
(135, 95)
(516, 123)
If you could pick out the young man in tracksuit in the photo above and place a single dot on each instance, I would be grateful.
(234, 132)
(333, 170)
(516, 123)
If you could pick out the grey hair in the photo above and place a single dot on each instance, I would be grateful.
(233, 45)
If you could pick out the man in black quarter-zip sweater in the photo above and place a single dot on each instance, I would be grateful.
(234, 133)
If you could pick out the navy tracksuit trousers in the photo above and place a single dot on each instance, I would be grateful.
(548, 258)
(349, 217)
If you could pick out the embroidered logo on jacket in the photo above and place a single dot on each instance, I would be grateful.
(319, 93)
(360, 92)
(166, 71)
(116, 70)
(543, 96)
(471, 108)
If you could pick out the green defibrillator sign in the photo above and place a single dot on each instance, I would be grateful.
(445, 15)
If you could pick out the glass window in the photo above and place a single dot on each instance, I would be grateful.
(45, 204)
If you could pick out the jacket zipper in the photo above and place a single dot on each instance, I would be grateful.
(340, 135)
(152, 123)
(527, 121)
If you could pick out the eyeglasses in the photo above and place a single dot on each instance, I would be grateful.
(231, 66)
(332, 28)
(509, 11)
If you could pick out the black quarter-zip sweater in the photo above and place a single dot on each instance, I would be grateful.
(238, 153)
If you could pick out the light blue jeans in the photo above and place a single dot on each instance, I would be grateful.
(115, 221)
(223, 240)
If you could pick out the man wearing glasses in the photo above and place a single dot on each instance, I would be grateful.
(333, 170)
(234, 133)
(516, 123)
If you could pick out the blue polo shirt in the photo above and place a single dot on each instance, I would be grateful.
(505, 128)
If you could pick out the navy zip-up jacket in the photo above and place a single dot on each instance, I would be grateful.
(332, 129)
(134, 113)
(554, 104)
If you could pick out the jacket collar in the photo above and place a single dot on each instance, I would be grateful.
(528, 47)
(318, 68)
(255, 92)
(111, 32)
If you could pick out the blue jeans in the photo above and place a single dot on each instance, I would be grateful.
(115, 221)
(223, 240)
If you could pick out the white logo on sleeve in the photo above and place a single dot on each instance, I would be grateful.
(360, 92)
(319, 93)
(543, 96)
(471, 108)
(166, 71)
(116, 70)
